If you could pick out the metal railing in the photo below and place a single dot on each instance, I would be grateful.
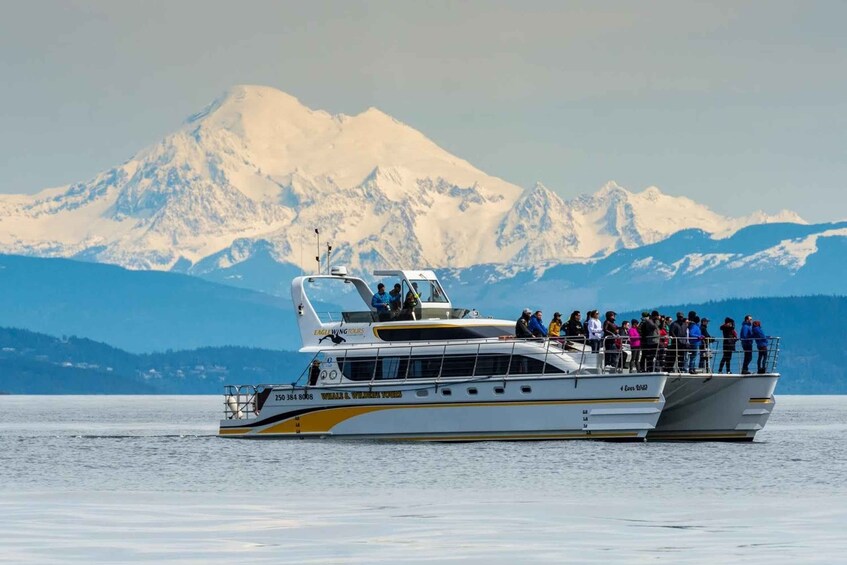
(702, 355)
(240, 401)
(489, 360)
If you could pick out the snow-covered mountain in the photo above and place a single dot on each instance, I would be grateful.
(256, 171)
(690, 266)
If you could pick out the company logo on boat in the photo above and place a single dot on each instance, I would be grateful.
(343, 331)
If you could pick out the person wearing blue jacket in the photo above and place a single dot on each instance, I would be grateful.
(695, 336)
(746, 338)
(761, 346)
(380, 301)
(536, 325)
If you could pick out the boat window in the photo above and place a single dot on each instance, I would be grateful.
(429, 291)
(458, 366)
(499, 390)
(472, 391)
(446, 392)
(424, 367)
(438, 366)
(526, 389)
(367, 368)
(422, 393)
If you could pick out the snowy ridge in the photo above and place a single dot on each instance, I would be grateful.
(256, 171)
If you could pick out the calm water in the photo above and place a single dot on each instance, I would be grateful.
(128, 479)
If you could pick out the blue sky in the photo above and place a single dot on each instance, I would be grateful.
(737, 105)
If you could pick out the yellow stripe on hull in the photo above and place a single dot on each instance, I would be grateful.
(762, 400)
(324, 419)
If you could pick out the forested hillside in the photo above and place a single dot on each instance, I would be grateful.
(33, 363)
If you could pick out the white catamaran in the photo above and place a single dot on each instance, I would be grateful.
(432, 372)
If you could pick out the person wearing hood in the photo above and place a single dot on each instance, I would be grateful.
(730, 337)
(536, 325)
(522, 325)
(762, 346)
(746, 338)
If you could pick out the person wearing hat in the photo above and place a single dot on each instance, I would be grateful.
(554, 330)
(522, 325)
(381, 301)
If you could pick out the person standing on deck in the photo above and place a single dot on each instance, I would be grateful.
(595, 330)
(762, 347)
(679, 343)
(746, 338)
(706, 346)
(730, 337)
(635, 347)
(695, 338)
(649, 340)
(610, 339)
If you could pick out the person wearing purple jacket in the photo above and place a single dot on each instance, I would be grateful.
(635, 347)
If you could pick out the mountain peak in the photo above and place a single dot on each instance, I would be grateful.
(611, 188)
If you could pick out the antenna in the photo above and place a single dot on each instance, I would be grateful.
(318, 256)
(328, 253)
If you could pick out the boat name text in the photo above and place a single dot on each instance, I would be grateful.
(360, 395)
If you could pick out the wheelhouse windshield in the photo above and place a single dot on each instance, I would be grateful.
(428, 291)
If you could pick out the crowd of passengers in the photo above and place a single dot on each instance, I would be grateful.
(656, 342)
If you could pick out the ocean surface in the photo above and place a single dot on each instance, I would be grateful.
(122, 479)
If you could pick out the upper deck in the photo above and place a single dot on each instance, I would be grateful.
(420, 311)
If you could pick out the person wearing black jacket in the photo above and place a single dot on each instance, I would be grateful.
(706, 346)
(610, 339)
(574, 329)
(522, 325)
(678, 332)
(649, 341)
(730, 338)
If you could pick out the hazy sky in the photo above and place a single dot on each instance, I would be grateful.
(740, 105)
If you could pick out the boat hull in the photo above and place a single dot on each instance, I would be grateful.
(533, 408)
(715, 407)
